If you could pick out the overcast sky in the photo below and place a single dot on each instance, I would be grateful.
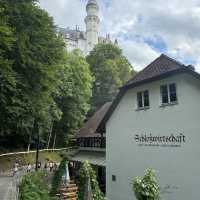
(144, 28)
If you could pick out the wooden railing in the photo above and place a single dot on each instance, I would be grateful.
(92, 142)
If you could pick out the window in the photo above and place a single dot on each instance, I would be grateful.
(143, 99)
(168, 93)
(113, 178)
(172, 92)
(139, 99)
(146, 99)
(164, 94)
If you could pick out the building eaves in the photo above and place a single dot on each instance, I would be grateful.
(159, 69)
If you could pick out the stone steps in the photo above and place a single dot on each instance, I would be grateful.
(69, 192)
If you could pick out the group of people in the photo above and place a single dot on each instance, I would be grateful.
(49, 166)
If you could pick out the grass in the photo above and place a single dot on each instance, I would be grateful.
(6, 162)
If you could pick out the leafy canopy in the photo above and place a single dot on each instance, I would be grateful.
(39, 82)
(34, 186)
(86, 171)
(111, 70)
(31, 54)
(146, 188)
(73, 96)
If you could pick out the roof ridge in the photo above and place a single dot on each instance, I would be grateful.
(141, 71)
(172, 59)
(155, 66)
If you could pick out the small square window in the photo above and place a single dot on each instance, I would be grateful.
(113, 178)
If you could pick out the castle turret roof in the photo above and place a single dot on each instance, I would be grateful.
(92, 2)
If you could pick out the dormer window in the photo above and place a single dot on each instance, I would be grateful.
(143, 99)
(168, 94)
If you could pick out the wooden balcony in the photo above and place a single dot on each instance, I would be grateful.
(91, 142)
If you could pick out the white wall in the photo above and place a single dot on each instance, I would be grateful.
(92, 26)
(177, 167)
(72, 45)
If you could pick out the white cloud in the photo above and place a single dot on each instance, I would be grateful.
(176, 22)
(65, 12)
(138, 53)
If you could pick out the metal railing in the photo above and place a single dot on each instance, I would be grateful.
(27, 152)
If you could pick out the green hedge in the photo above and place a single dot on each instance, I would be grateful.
(57, 178)
(85, 172)
(34, 187)
(146, 188)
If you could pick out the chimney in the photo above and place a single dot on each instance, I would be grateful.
(191, 67)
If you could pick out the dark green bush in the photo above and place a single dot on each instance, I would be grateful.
(56, 181)
(85, 172)
(34, 187)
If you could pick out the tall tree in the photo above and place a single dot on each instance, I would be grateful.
(33, 53)
(73, 96)
(111, 70)
(7, 75)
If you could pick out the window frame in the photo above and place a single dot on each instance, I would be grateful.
(168, 94)
(142, 93)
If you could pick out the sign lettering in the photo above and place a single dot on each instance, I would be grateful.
(164, 141)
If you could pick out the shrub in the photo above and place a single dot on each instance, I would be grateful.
(57, 178)
(146, 188)
(85, 172)
(34, 187)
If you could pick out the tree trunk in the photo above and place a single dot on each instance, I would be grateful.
(36, 131)
(54, 141)
(49, 137)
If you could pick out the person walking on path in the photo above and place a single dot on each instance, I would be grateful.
(46, 167)
(39, 165)
(15, 168)
(29, 167)
(51, 165)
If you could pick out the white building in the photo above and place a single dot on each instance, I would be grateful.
(155, 123)
(85, 40)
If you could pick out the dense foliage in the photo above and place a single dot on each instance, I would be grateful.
(146, 188)
(57, 177)
(111, 70)
(85, 172)
(34, 186)
(74, 94)
(40, 86)
(32, 53)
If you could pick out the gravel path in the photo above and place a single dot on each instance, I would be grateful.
(5, 187)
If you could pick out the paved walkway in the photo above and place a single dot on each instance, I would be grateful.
(5, 187)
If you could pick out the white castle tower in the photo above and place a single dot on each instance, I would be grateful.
(85, 40)
(92, 24)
